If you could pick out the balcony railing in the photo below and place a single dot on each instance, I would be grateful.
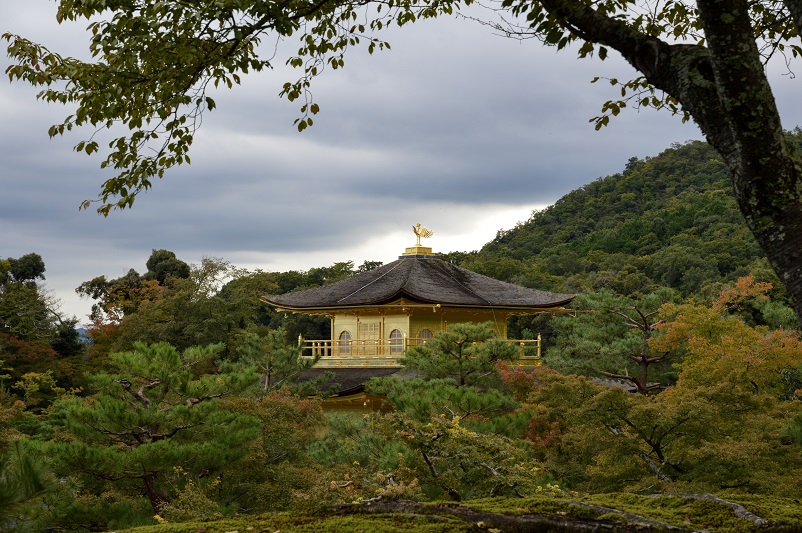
(386, 352)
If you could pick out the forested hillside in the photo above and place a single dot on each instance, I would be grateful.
(669, 220)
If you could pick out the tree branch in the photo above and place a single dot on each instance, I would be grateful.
(140, 394)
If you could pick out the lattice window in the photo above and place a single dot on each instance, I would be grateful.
(369, 330)
(424, 335)
(396, 341)
(345, 342)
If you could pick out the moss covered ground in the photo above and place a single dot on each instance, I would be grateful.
(302, 523)
(726, 513)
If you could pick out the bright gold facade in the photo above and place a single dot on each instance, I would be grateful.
(378, 336)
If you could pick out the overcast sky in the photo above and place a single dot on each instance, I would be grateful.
(456, 128)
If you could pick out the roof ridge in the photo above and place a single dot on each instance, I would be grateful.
(398, 263)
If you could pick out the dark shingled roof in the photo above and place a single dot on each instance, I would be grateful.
(348, 380)
(424, 279)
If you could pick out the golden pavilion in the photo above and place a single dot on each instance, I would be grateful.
(377, 315)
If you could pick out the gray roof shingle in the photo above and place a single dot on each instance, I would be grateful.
(424, 279)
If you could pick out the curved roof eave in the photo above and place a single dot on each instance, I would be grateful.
(556, 308)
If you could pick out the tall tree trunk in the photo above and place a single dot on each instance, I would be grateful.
(766, 168)
(643, 375)
(157, 500)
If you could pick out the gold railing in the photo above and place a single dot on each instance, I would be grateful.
(386, 352)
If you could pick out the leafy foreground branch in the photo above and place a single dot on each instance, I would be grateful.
(601, 513)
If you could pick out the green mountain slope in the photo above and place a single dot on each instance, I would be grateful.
(668, 220)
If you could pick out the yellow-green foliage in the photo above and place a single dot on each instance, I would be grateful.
(275, 466)
(721, 425)
(191, 502)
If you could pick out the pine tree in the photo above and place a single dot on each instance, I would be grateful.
(151, 417)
